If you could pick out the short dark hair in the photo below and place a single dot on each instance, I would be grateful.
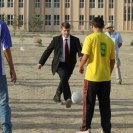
(65, 25)
(98, 22)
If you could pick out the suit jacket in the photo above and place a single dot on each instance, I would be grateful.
(57, 45)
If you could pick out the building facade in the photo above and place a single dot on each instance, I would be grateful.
(78, 13)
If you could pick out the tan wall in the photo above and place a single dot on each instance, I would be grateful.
(74, 11)
(119, 15)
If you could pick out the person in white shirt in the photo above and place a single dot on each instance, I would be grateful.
(117, 39)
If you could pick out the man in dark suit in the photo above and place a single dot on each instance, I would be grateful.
(65, 48)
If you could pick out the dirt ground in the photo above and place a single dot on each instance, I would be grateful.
(33, 110)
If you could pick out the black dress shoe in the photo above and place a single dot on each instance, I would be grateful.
(56, 99)
(68, 103)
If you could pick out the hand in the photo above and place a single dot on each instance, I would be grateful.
(13, 76)
(81, 70)
(80, 59)
(38, 66)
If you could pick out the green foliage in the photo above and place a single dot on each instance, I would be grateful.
(4, 18)
(22, 35)
(35, 22)
(15, 23)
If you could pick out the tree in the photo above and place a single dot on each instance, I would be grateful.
(3, 17)
(35, 22)
(15, 23)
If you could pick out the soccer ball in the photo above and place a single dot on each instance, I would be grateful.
(76, 97)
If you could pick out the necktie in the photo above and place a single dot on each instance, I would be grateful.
(66, 52)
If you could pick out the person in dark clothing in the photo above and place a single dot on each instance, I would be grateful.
(65, 47)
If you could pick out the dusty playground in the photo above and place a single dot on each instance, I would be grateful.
(33, 110)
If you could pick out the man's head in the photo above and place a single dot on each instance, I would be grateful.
(65, 29)
(109, 27)
(97, 23)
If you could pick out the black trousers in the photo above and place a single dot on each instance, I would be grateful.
(102, 91)
(63, 87)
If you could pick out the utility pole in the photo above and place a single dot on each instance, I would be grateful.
(52, 15)
(27, 20)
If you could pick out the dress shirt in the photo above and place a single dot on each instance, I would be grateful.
(62, 57)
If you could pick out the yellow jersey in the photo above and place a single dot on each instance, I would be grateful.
(100, 49)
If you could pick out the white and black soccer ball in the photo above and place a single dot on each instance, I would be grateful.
(76, 97)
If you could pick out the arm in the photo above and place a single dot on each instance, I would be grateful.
(6, 44)
(112, 63)
(119, 45)
(45, 55)
(120, 40)
(8, 55)
(82, 63)
(79, 48)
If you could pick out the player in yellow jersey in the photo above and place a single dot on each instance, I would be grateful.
(98, 53)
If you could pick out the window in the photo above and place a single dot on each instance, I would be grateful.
(47, 19)
(81, 20)
(129, 13)
(57, 3)
(9, 19)
(37, 3)
(67, 3)
(111, 19)
(128, 1)
(20, 3)
(111, 3)
(92, 3)
(48, 3)
(56, 20)
(2, 17)
(101, 16)
(67, 18)
(10, 3)
(1, 3)
(100, 3)
(81, 4)
(124, 13)
(20, 20)
(91, 17)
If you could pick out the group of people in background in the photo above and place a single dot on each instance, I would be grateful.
(100, 53)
